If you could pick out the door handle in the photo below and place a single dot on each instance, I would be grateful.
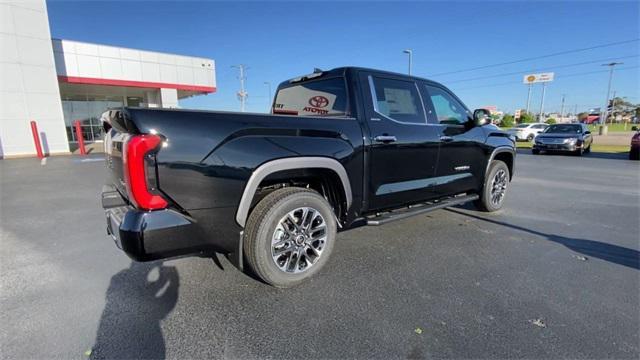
(385, 138)
(445, 138)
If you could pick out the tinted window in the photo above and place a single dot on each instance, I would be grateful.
(398, 100)
(447, 108)
(327, 97)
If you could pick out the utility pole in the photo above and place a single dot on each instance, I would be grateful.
(242, 94)
(613, 106)
(544, 87)
(410, 52)
(562, 108)
(611, 65)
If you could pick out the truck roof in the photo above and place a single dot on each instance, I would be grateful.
(344, 69)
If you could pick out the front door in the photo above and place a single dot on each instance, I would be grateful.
(404, 148)
(462, 156)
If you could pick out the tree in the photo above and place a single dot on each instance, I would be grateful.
(582, 116)
(507, 121)
(551, 121)
(526, 117)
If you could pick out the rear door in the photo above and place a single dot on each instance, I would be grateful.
(462, 156)
(404, 149)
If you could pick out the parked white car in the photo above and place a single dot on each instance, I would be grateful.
(527, 131)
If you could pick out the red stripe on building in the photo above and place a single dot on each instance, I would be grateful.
(142, 84)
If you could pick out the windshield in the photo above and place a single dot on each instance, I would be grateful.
(563, 129)
(325, 97)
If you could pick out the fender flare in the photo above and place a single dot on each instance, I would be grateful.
(273, 166)
(498, 150)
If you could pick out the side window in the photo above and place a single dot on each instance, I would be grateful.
(398, 100)
(447, 108)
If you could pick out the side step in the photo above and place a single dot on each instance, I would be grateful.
(418, 209)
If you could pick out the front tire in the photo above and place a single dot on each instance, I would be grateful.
(535, 151)
(495, 187)
(530, 138)
(289, 236)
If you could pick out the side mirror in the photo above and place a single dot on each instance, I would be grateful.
(587, 132)
(481, 117)
(634, 128)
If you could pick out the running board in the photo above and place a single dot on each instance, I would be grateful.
(418, 209)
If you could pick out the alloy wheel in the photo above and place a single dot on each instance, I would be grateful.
(298, 240)
(498, 187)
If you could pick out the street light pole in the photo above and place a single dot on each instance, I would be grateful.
(410, 52)
(603, 120)
(562, 109)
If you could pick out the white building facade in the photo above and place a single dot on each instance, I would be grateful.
(57, 82)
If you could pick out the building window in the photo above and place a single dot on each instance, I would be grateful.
(87, 109)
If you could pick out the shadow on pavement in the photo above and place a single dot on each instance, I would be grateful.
(137, 299)
(613, 253)
(592, 154)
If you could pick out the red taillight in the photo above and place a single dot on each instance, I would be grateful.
(136, 149)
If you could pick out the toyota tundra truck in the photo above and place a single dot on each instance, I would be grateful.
(341, 148)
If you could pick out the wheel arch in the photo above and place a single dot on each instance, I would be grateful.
(505, 154)
(290, 167)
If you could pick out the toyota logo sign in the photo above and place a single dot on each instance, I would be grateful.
(319, 101)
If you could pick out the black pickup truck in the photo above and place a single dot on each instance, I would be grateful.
(342, 148)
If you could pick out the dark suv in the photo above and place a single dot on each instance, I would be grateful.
(343, 148)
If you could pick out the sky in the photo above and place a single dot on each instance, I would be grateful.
(281, 40)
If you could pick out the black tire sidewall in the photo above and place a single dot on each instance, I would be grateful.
(265, 266)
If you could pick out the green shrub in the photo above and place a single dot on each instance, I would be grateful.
(507, 121)
(526, 117)
(551, 121)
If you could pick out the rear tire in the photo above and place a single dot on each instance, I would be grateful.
(495, 187)
(289, 236)
(634, 154)
(530, 137)
(588, 149)
(535, 151)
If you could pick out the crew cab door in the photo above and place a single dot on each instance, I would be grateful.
(461, 163)
(403, 150)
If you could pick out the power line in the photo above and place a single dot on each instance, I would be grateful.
(558, 78)
(536, 57)
(541, 69)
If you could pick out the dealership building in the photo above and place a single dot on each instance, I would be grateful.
(55, 82)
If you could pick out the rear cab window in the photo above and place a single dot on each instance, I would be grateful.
(321, 97)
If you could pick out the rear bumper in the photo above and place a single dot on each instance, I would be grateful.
(149, 235)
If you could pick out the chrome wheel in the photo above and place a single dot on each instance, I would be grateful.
(298, 240)
(499, 187)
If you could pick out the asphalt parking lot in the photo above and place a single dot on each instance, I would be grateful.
(554, 275)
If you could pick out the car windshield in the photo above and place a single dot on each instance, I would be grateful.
(522, 126)
(563, 129)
